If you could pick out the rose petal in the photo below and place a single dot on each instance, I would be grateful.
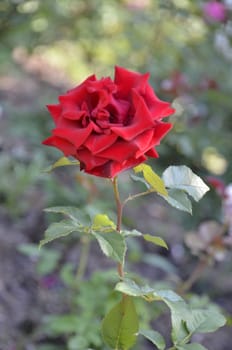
(159, 109)
(75, 136)
(98, 142)
(76, 89)
(143, 142)
(74, 114)
(74, 97)
(141, 121)
(119, 151)
(152, 153)
(160, 131)
(111, 169)
(65, 146)
(55, 111)
(88, 161)
(127, 80)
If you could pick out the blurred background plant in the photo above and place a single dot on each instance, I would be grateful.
(46, 47)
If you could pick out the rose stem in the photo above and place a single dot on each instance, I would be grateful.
(119, 217)
(137, 195)
(83, 258)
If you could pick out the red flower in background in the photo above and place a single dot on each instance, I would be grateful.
(215, 11)
(110, 126)
(218, 185)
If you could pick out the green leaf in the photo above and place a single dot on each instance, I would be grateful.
(120, 326)
(152, 178)
(139, 179)
(59, 229)
(179, 309)
(181, 177)
(179, 330)
(101, 222)
(129, 287)
(179, 200)
(72, 212)
(204, 321)
(193, 346)
(168, 296)
(155, 337)
(112, 244)
(61, 162)
(156, 240)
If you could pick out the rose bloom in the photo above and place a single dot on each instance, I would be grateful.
(110, 125)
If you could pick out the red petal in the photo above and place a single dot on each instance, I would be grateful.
(74, 97)
(55, 111)
(76, 136)
(161, 130)
(65, 146)
(127, 80)
(111, 168)
(141, 121)
(98, 142)
(158, 108)
(88, 161)
(152, 153)
(119, 151)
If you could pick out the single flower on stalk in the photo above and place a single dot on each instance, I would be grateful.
(110, 125)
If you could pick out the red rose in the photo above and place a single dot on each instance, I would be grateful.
(110, 126)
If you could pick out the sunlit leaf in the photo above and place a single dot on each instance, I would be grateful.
(152, 178)
(61, 162)
(155, 337)
(181, 177)
(139, 179)
(112, 244)
(101, 221)
(120, 326)
(156, 240)
(179, 200)
(59, 229)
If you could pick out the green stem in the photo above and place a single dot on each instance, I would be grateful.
(119, 218)
(137, 195)
(83, 258)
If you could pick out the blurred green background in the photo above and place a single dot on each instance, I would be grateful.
(47, 47)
